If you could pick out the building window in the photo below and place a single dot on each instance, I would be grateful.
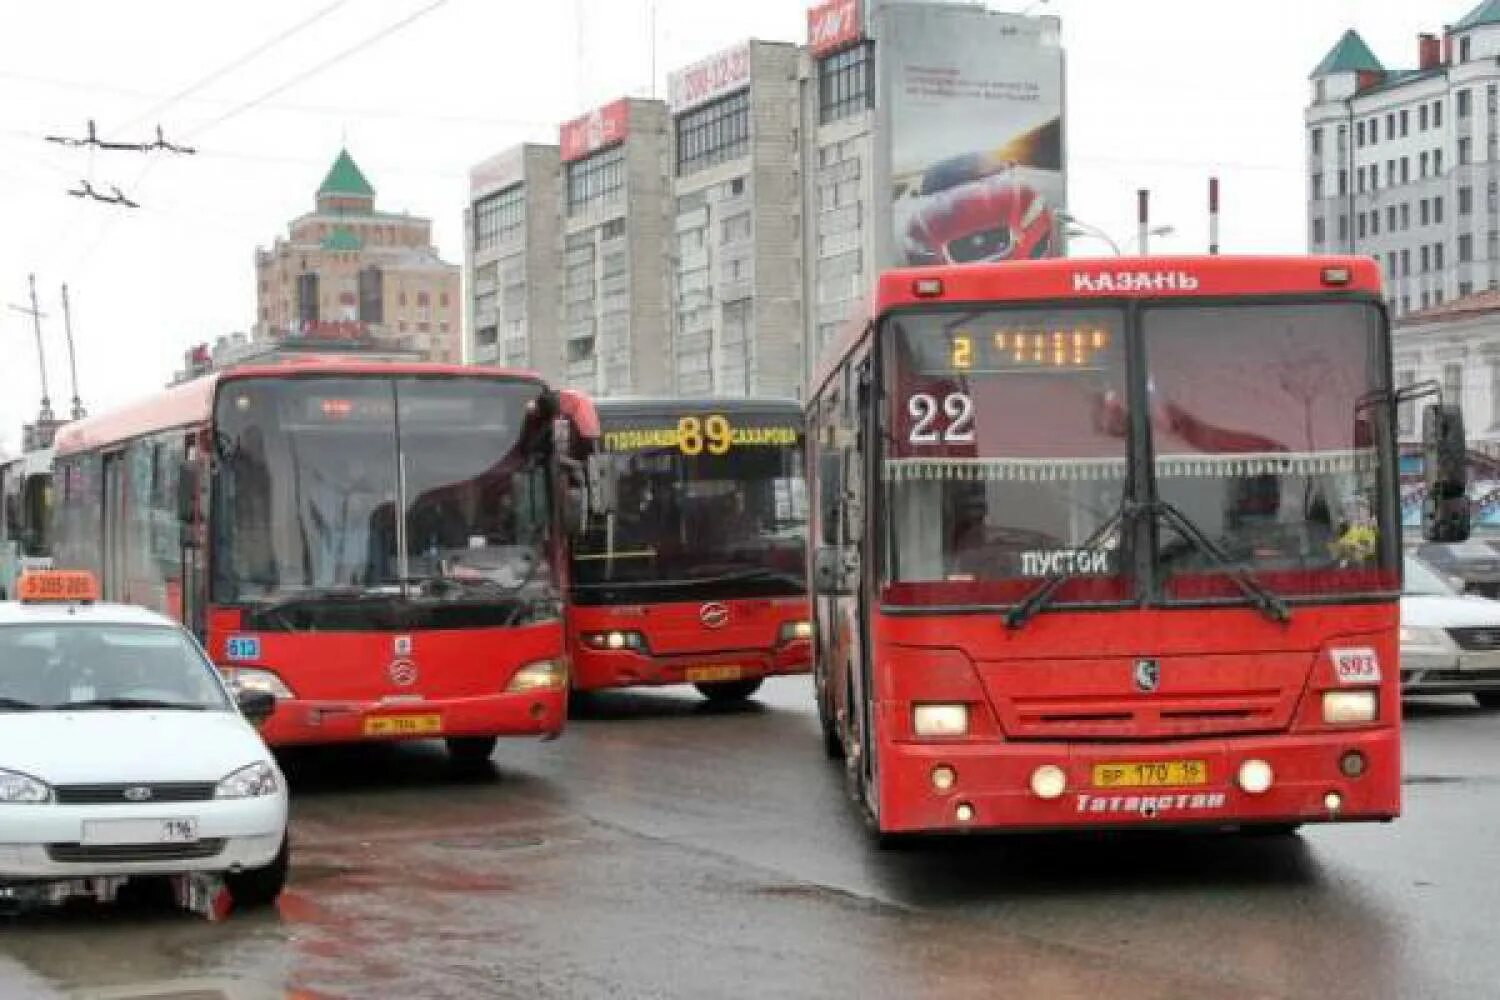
(1422, 118)
(1362, 226)
(1359, 134)
(1359, 180)
(1465, 151)
(612, 230)
(1317, 232)
(1437, 114)
(715, 133)
(1405, 170)
(1464, 104)
(1317, 142)
(1406, 263)
(1375, 222)
(1465, 288)
(1437, 256)
(1317, 186)
(1405, 216)
(1343, 228)
(1465, 248)
(1465, 200)
(1390, 219)
(1390, 125)
(1437, 163)
(1424, 212)
(1453, 382)
(1493, 246)
(498, 217)
(846, 83)
(1463, 48)
(1422, 165)
(595, 178)
(1426, 259)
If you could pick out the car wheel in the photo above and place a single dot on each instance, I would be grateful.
(725, 692)
(256, 888)
(471, 749)
(1488, 699)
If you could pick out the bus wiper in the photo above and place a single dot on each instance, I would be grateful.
(17, 705)
(1259, 594)
(1043, 593)
(742, 575)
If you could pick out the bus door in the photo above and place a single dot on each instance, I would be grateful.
(862, 592)
(115, 527)
(192, 519)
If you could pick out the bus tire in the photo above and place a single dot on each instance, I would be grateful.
(726, 692)
(257, 888)
(471, 750)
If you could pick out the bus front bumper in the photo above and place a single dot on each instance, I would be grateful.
(306, 722)
(595, 669)
(990, 786)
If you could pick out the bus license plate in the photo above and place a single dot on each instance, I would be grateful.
(1151, 774)
(403, 725)
(709, 675)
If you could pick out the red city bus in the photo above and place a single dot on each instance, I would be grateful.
(692, 567)
(1111, 543)
(377, 544)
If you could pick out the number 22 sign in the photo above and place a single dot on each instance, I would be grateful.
(928, 414)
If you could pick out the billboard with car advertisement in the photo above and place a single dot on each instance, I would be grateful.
(974, 130)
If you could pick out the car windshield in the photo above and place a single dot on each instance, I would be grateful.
(1005, 452)
(1424, 581)
(332, 489)
(70, 666)
(1263, 439)
(717, 518)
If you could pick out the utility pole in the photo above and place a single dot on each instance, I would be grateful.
(78, 411)
(45, 417)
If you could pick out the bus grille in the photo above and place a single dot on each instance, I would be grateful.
(1154, 718)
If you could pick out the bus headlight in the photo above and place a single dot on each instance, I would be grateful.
(1348, 707)
(792, 631)
(543, 675)
(940, 720)
(247, 679)
(615, 640)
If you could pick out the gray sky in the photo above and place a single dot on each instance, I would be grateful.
(1161, 93)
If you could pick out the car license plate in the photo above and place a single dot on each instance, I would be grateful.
(403, 725)
(141, 831)
(1151, 774)
(708, 675)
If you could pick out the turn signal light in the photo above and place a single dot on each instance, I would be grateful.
(927, 288)
(615, 639)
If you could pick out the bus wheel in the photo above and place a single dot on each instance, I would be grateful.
(471, 749)
(724, 692)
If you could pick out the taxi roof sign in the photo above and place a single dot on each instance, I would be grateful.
(58, 587)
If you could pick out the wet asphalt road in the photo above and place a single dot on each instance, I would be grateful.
(664, 850)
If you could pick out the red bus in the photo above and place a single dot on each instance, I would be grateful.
(1111, 543)
(379, 545)
(692, 567)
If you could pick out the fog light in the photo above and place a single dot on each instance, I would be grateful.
(1049, 782)
(943, 777)
(1333, 802)
(1256, 776)
(1349, 707)
(964, 813)
(1352, 764)
(940, 720)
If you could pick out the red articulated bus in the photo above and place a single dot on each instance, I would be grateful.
(379, 545)
(1111, 543)
(692, 567)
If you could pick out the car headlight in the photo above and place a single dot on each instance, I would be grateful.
(1348, 707)
(543, 675)
(940, 720)
(792, 631)
(23, 789)
(1412, 635)
(249, 782)
(248, 679)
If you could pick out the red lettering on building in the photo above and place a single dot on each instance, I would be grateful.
(833, 25)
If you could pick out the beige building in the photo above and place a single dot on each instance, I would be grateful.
(349, 272)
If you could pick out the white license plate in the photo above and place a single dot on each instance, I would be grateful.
(141, 831)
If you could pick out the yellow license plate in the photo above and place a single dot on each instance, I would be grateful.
(403, 725)
(1151, 774)
(708, 675)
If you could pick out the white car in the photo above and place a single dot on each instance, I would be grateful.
(123, 754)
(1450, 641)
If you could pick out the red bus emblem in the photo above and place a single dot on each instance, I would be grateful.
(713, 615)
(403, 673)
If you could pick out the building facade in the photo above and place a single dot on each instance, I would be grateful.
(512, 260)
(1404, 164)
(348, 271)
(1457, 346)
(614, 199)
(735, 266)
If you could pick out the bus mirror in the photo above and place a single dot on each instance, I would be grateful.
(572, 509)
(187, 491)
(604, 489)
(1446, 513)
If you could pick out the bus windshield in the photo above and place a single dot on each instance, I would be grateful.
(1006, 446)
(338, 488)
(698, 526)
(1266, 441)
